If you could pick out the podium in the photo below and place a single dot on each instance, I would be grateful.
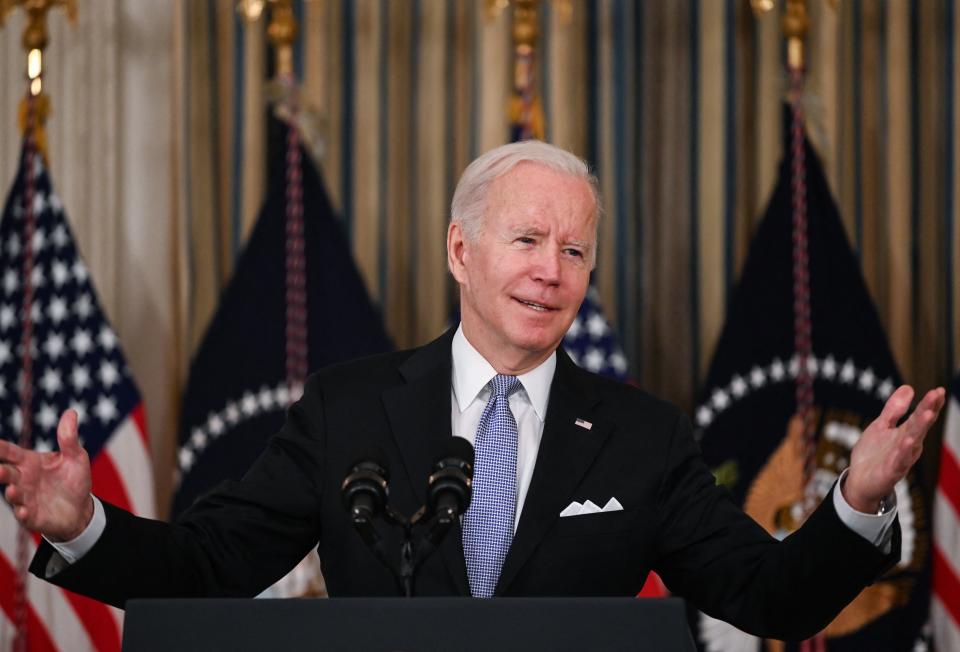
(408, 625)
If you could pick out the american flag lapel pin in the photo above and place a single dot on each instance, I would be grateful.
(583, 423)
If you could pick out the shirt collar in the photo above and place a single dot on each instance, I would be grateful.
(472, 372)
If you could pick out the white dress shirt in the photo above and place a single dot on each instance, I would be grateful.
(468, 397)
(469, 394)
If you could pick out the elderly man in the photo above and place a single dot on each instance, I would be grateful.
(521, 244)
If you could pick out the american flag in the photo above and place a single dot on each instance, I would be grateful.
(591, 342)
(76, 363)
(945, 606)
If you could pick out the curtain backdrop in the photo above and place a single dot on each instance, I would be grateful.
(158, 147)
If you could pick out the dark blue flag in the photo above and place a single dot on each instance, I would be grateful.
(746, 410)
(237, 392)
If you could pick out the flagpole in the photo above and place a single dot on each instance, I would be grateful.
(282, 30)
(284, 93)
(796, 25)
(34, 109)
(795, 28)
(282, 33)
(525, 110)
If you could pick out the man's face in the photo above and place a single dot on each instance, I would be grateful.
(523, 279)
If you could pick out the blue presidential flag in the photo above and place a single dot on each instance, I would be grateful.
(238, 389)
(747, 421)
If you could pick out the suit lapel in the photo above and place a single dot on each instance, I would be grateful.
(419, 415)
(566, 452)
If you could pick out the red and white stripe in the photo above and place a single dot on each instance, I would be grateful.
(945, 605)
(58, 619)
(123, 471)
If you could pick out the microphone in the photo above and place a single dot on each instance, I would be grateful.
(449, 486)
(448, 496)
(364, 491)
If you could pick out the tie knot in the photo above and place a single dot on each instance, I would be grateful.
(504, 385)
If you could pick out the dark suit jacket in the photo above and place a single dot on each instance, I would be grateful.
(247, 534)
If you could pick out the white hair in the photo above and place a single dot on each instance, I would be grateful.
(470, 198)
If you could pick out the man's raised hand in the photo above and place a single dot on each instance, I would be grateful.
(50, 492)
(885, 451)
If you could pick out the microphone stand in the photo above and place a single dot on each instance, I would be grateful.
(403, 573)
(414, 552)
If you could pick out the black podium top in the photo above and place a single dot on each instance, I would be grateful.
(414, 625)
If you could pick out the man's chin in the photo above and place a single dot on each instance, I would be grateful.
(538, 343)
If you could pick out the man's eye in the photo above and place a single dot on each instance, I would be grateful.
(525, 240)
(575, 252)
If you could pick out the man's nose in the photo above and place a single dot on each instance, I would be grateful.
(547, 267)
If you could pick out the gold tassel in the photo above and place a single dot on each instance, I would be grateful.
(33, 114)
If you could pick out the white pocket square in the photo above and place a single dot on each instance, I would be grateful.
(590, 507)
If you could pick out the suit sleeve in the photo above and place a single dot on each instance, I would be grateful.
(724, 563)
(233, 542)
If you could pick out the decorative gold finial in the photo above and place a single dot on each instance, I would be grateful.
(35, 107)
(282, 92)
(795, 28)
(525, 28)
(761, 7)
(35, 36)
(564, 9)
(282, 30)
(496, 7)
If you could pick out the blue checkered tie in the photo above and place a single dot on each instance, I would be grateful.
(488, 524)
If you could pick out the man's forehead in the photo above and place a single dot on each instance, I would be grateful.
(538, 198)
(526, 169)
(539, 183)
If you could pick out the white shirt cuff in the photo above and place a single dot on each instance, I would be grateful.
(74, 549)
(875, 528)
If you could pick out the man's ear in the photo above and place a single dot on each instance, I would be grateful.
(456, 252)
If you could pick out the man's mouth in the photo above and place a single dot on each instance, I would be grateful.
(535, 306)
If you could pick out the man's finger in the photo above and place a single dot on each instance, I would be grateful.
(934, 400)
(13, 495)
(10, 452)
(9, 474)
(915, 428)
(896, 406)
(925, 414)
(67, 435)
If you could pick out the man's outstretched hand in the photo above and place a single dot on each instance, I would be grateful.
(885, 452)
(50, 492)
